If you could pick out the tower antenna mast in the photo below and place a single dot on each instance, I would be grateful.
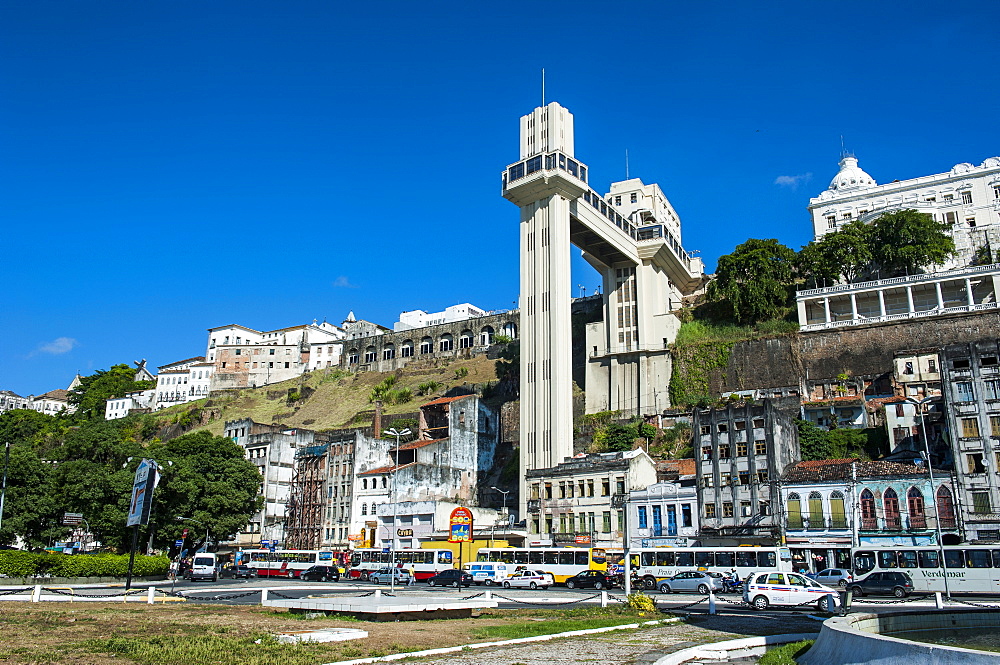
(543, 86)
(626, 163)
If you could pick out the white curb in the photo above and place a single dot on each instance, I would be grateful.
(720, 650)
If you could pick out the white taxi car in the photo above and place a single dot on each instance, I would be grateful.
(780, 588)
(533, 579)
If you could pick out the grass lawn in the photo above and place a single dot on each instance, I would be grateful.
(188, 634)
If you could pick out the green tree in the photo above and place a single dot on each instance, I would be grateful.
(95, 390)
(29, 506)
(904, 241)
(210, 481)
(846, 253)
(754, 280)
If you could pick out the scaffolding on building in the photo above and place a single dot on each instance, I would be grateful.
(304, 511)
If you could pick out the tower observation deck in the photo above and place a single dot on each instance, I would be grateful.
(631, 236)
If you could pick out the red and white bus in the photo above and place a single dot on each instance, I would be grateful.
(286, 563)
(425, 563)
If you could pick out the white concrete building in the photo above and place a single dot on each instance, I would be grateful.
(420, 319)
(967, 198)
(119, 407)
(572, 501)
(663, 515)
(11, 400)
(52, 402)
(174, 383)
(631, 236)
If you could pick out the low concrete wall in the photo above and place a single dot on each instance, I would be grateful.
(858, 638)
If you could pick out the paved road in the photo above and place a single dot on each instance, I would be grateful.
(248, 592)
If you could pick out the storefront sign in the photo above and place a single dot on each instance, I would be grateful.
(460, 526)
(404, 533)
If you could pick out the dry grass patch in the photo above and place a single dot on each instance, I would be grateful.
(107, 633)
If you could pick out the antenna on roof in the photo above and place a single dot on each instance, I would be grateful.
(543, 86)
(626, 163)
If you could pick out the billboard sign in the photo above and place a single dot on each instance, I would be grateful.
(460, 526)
(142, 493)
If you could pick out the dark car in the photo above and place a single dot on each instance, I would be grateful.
(238, 572)
(320, 574)
(451, 577)
(590, 579)
(883, 584)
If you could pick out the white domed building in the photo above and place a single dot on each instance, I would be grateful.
(967, 198)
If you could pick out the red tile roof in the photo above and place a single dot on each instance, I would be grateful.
(420, 443)
(681, 467)
(446, 400)
(383, 469)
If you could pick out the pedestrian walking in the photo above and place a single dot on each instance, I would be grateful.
(413, 576)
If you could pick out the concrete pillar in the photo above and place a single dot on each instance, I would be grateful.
(940, 296)
(969, 300)
(151, 595)
(604, 599)
(826, 308)
(263, 596)
(36, 595)
(802, 311)
(854, 306)
(881, 302)
(909, 299)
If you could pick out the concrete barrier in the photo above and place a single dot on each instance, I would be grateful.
(861, 639)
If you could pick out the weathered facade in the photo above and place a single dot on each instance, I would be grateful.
(741, 452)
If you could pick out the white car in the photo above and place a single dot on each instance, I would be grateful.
(533, 579)
(779, 588)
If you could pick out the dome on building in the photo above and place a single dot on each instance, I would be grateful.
(851, 176)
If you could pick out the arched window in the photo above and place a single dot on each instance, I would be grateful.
(838, 516)
(384, 481)
(486, 336)
(510, 329)
(406, 350)
(794, 511)
(426, 345)
(370, 354)
(890, 505)
(352, 357)
(364, 483)
(364, 508)
(915, 506)
(946, 507)
(816, 511)
(869, 519)
(447, 342)
(389, 352)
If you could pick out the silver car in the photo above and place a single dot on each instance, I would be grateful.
(832, 577)
(382, 576)
(691, 580)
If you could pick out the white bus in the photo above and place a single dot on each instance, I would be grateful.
(970, 568)
(425, 563)
(285, 563)
(560, 562)
(653, 564)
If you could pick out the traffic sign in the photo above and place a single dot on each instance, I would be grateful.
(178, 543)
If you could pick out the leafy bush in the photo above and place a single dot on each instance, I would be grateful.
(427, 387)
(17, 563)
(461, 372)
(640, 601)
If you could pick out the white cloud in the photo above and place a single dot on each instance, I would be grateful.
(343, 283)
(58, 346)
(792, 181)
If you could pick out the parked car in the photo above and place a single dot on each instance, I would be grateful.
(691, 580)
(832, 576)
(587, 579)
(238, 572)
(451, 577)
(387, 575)
(762, 590)
(321, 574)
(883, 584)
(490, 573)
(533, 579)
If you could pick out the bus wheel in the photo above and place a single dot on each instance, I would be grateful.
(649, 582)
(291, 574)
(488, 582)
(364, 577)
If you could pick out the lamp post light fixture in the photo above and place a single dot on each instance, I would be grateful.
(504, 510)
(920, 404)
(393, 432)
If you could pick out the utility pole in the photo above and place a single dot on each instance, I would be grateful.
(3, 489)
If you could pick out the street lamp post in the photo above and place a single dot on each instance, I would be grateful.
(620, 502)
(505, 516)
(392, 499)
(3, 489)
(919, 404)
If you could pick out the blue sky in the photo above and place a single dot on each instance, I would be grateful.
(173, 166)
